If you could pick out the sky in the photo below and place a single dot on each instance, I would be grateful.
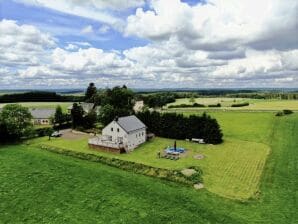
(48, 44)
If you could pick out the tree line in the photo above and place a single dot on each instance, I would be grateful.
(177, 126)
(38, 96)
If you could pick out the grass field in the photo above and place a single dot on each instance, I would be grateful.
(231, 169)
(254, 104)
(59, 189)
(51, 105)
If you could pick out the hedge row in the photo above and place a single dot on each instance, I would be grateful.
(171, 175)
(240, 104)
(186, 105)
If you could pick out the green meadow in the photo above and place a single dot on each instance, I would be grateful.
(232, 169)
(226, 102)
(44, 105)
(42, 187)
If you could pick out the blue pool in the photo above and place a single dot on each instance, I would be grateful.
(172, 149)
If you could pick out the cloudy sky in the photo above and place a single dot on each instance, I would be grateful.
(148, 43)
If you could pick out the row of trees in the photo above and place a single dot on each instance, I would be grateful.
(38, 96)
(177, 126)
(158, 99)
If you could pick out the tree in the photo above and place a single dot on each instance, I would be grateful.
(90, 93)
(90, 119)
(107, 114)
(77, 115)
(15, 122)
(59, 117)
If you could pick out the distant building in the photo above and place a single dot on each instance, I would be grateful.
(123, 134)
(87, 107)
(42, 116)
(139, 105)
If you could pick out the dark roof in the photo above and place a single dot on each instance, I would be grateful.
(130, 123)
(42, 113)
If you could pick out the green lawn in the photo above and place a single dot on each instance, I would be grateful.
(51, 105)
(41, 187)
(254, 104)
(231, 169)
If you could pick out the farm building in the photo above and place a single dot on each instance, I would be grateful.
(42, 116)
(123, 134)
(139, 105)
(87, 107)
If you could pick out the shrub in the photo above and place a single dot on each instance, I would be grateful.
(240, 104)
(286, 111)
(215, 105)
(186, 105)
(40, 132)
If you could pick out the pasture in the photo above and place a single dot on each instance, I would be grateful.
(254, 104)
(49, 105)
(60, 189)
(232, 169)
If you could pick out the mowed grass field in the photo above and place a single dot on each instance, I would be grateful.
(41, 187)
(232, 169)
(50, 105)
(254, 104)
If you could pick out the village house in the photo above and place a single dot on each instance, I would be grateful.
(123, 134)
(139, 105)
(87, 107)
(42, 116)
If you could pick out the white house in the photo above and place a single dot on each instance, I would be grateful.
(123, 134)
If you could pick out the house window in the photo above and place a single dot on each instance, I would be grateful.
(111, 129)
(136, 135)
(142, 133)
(117, 129)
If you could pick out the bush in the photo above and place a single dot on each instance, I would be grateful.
(171, 175)
(186, 105)
(240, 104)
(287, 111)
(215, 105)
(40, 132)
(284, 112)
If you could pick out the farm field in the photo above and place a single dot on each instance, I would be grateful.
(232, 169)
(254, 104)
(60, 189)
(51, 105)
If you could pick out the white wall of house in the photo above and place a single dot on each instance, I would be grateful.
(41, 121)
(118, 134)
(136, 138)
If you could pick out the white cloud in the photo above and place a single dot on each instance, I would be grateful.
(71, 47)
(87, 29)
(22, 44)
(94, 9)
(104, 29)
(219, 24)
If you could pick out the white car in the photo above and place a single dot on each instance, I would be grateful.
(56, 134)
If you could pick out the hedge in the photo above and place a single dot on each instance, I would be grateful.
(186, 105)
(171, 175)
(240, 104)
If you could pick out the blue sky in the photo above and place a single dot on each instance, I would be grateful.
(148, 43)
